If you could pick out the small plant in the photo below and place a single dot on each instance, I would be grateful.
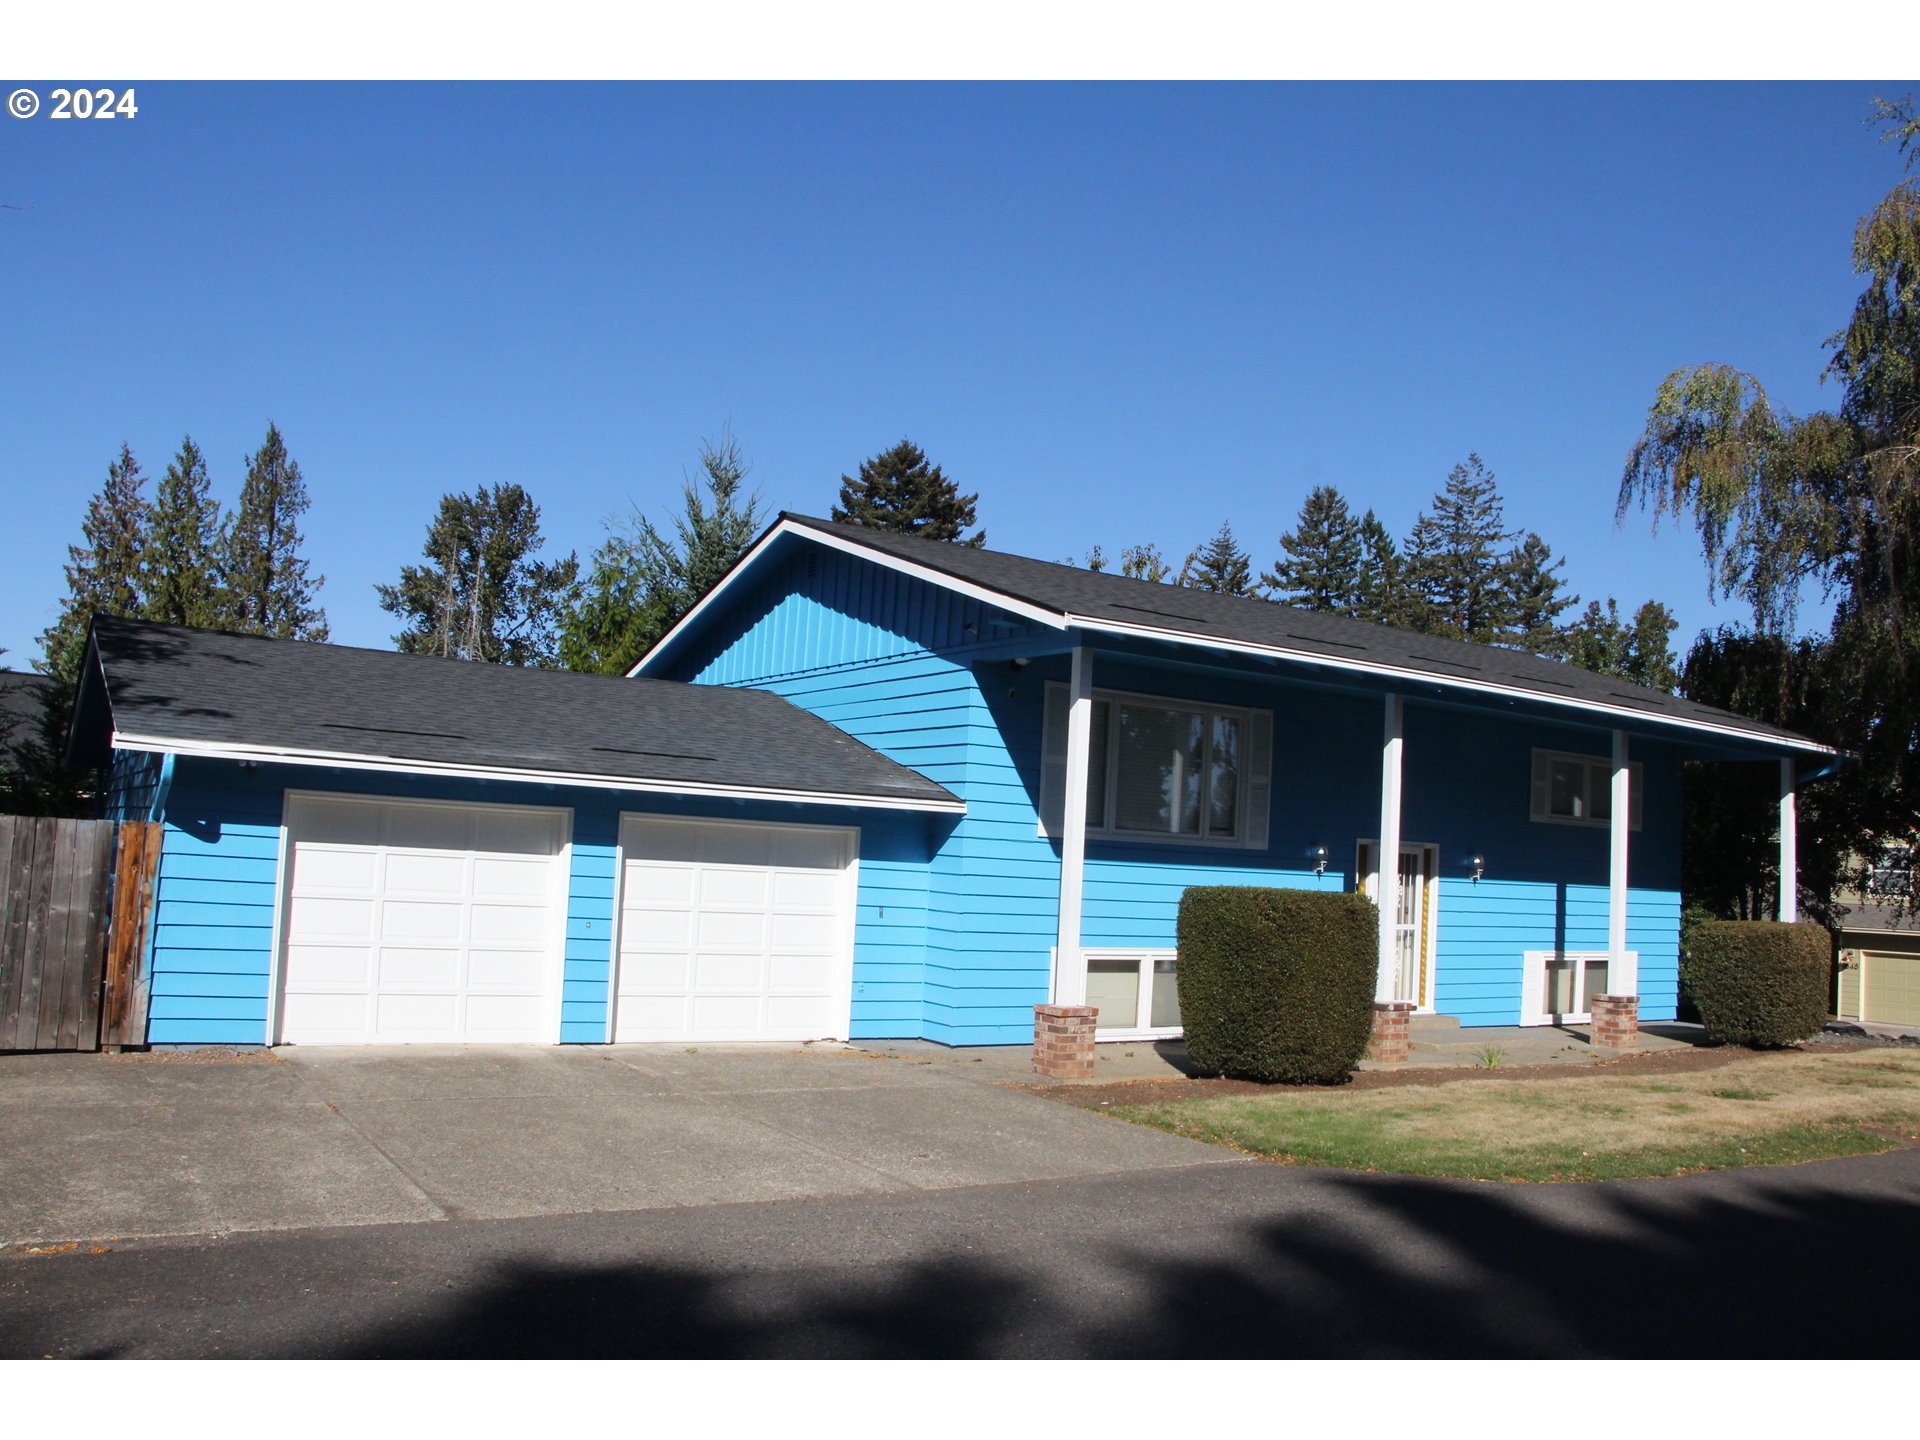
(1491, 1057)
(1740, 1092)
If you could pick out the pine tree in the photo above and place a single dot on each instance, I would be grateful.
(1220, 565)
(104, 574)
(179, 567)
(1534, 586)
(898, 490)
(710, 535)
(1456, 580)
(268, 591)
(1639, 652)
(1321, 569)
(614, 619)
(481, 595)
(1380, 595)
(1145, 562)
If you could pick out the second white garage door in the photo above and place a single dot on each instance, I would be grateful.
(734, 931)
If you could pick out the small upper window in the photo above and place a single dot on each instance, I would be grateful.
(1891, 875)
(1578, 789)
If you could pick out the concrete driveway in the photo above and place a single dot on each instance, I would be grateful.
(199, 1143)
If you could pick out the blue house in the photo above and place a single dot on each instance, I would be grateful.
(880, 787)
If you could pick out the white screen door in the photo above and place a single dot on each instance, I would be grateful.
(1413, 918)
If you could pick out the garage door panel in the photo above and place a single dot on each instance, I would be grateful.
(505, 970)
(1891, 989)
(440, 920)
(506, 877)
(451, 945)
(419, 873)
(318, 868)
(750, 888)
(732, 931)
(404, 966)
(332, 965)
(325, 917)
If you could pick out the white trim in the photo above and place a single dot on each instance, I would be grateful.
(1049, 618)
(1387, 893)
(1619, 826)
(1427, 677)
(223, 750)
(1146, 957)
(613, 940)
(560, 889)
(1070, 971)
(841, 1001)
(282, 877)
(1789, 846)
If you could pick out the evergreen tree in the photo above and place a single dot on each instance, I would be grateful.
(710, 534)
(1145, 562)
(481, 595)
(1456, 581)
(614, 619)
(898, 490)
(1534, 588)
(179, 571)
(1220, 565)
(268, 591)
(1321, 569)
(1381, 593)
(104, 574)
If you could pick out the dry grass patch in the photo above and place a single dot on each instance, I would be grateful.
(1768, 1109)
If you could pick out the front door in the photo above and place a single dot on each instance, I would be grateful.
(1413, 917)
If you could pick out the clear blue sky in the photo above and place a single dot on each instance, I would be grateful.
(1119, 313)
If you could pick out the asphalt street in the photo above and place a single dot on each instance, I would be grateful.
(1230, 1259)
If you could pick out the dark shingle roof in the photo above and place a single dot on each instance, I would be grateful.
(206, 688)
(23, 699)
(1102, 598)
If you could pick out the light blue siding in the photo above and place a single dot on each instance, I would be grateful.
(220, 863)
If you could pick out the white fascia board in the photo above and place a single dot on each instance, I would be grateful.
(222, 750)
(1052, 619)
(1425, 677)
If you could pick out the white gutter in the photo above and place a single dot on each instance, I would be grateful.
(1426, 677)
(221, 750)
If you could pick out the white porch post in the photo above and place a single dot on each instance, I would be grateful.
(1387, 890)
(1789, 846)
(1617, 827)
(1069, 963)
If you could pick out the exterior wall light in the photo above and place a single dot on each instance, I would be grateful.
(1476, 867)
(1317, 858)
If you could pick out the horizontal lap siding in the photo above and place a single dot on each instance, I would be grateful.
(133, 780)
(220, 863)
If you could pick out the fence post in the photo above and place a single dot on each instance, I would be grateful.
(123, 1005)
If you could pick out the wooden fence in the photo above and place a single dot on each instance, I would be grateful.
(74, 900)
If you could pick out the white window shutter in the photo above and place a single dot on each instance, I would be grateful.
(1259, 777)
(1053, 762)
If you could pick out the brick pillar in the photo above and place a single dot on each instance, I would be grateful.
(1616, 1022)
(1063, 1041)
(1391, 1044)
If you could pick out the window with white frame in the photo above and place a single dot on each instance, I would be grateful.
(1573, 789)
(1164, 769)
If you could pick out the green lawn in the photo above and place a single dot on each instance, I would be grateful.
(1771, 1109)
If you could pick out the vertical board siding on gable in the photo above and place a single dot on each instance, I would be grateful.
(220, 865)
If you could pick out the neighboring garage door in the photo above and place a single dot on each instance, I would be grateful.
(734, 931)
(1889, 988)
(411, 922)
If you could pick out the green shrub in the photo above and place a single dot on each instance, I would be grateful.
(1276, 985)
(1758, 982)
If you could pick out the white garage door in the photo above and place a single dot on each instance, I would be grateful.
(411, 922)
(734, 931)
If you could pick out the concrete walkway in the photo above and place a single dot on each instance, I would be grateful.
(211, 1142)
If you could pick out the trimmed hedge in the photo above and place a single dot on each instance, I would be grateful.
(1276, 985)
(1758, 982)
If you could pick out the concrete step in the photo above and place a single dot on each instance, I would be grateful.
(1427, 1024)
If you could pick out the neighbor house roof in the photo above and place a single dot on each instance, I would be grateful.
(1066, 597)
(170, 689)
(23, 699)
